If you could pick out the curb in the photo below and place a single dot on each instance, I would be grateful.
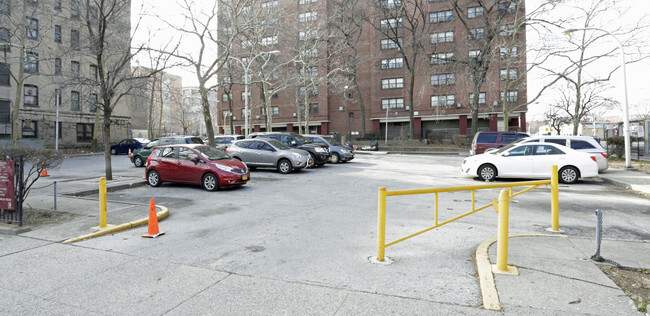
(164, 213)
(10, 229)
(111, 188)
(488, 287)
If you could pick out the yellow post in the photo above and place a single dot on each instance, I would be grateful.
(555, 204)
(102, 202)
(502, 237)
(381, 224)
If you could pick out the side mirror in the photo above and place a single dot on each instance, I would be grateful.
(506, 154)
(195, 160)
(293, 143)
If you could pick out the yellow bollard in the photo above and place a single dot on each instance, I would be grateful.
(555, 204)
(381, 224)
(102, 202)
(502, 236)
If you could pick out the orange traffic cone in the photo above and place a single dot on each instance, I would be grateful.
(129, 153)
(44, 173)
(152, 231)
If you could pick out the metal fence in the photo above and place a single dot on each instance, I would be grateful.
(15, 215)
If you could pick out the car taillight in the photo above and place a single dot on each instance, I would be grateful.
(148, 159)
(604, 154)
(226, 150)
(593, 158)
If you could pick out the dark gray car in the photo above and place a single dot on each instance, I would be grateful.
(269, 153)
(339, 152)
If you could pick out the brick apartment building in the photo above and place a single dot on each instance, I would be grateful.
(52, 38)
(442, 87)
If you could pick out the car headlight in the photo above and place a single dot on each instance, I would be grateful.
(320, 149)
(345, 151)
(297, 155)
(224, 168)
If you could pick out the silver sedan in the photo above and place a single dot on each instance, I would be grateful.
(269, 153)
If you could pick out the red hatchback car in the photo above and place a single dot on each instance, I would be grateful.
(194, 164)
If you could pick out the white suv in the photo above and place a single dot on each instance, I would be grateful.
(580, 143)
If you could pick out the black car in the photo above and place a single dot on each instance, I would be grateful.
(320, 153)
(125, 145)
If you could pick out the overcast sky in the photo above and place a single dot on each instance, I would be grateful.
(638, 87)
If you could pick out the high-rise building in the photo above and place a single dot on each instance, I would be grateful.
(59, 79)
(332, 80)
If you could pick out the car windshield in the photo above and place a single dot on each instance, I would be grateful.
(277, 144)
(302, 139)
(332, 141)
(153, 143)
(507, 147)
(211, 153)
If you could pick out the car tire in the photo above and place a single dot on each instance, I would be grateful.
(335, 158)
(210, 182)
(568, 175)
(153, 178)
(487, 172)
(137, 161)
(313, 161)
(113, 151)
(284, 166)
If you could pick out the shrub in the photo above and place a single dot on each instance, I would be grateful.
(461, 140)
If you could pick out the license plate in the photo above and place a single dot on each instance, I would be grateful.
(244, 178)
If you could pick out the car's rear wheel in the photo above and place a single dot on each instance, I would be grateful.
(284, 166)
(137, 161)
(487, 172)
(113, 151)
(210, 182)
(153, 178)
(569, 175)
(313, 161)
(335, 158)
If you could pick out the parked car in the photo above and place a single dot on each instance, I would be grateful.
(269, 153)
(531, 160)
(139, 156)
(195, 164)
(124, 145)
(585, 144)
(320, 153)
(338, 151)
(224, 141)
(485, 140)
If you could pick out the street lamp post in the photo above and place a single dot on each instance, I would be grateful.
(626, 119)
(246, 68)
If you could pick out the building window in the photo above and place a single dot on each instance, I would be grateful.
(94, 73)
(32, 2)
(310, 53)
(57, 5)
(4, 6)
(5, 118)
(441, 16)
(275, 111)
(397, 103)
(74, 39)
(391, 43)
(57, 66)
(31, 27)
(508, 7)
(270, 4)
(392, 83)
(269, 40)
(309, 71)
(312, 91)
(513, 96)
(74, 9)
(243, 94)
(509, 74)
(307, 16)
(442, 58)
(481, 98)
(75, 68)
(94, 101)
(442, 79)
(306, 35)
(224, 97)
(508, 52)
(301, 2)
(442, 37)
(476, 33)
(31, 62)
(74, 101)
(475, 12)
(85, 132)
(31, 95)
(507, 30)
(474, 53)
(243, 111)
(4, 75)
(4, 38)
(390, 23)
(392, 63)
(30, 129)
(57, 33)
(443, 100)
(390, 3)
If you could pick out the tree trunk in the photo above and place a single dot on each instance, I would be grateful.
(206, 114)
(362, 106)
(107, 138)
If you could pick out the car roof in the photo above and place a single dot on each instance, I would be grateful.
(184, 145)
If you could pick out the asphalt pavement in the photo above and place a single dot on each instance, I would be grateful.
(555, 272)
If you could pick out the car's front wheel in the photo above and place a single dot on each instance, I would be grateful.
(569, 175)
(313, 161)
(284, 166)
(137, 161)
(487, 172)
(335, 158)
(210, 182)
(153, 178)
